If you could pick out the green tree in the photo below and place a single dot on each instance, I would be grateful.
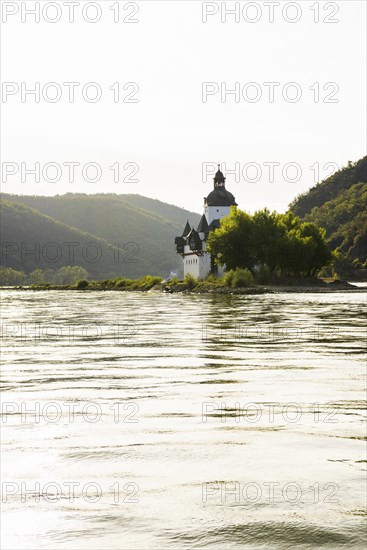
(69, 275)
(37, 277)
(11, 277)
(278, 241)
(268, 238)
(321, 255)
(232, 243)
(298, 253)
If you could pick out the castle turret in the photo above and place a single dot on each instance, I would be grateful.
(203, 227)
(218, 203)
(193, 243)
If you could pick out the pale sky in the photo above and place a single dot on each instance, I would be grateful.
(170, 132)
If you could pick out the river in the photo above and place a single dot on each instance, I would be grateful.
(161, 421)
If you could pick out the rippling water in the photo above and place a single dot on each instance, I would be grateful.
(183, 421)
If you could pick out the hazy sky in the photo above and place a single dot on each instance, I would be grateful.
(171, 130)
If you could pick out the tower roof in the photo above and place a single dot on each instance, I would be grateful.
(203, 225)
(187, 229)
(194, 240)
(220, 196)
(219, 177)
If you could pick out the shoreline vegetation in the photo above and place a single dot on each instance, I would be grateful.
(239, 281)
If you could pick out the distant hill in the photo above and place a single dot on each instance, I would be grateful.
(142, 229)
(135, 235)
(339, 204)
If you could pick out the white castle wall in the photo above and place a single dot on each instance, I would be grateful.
(199, 266)
(192, 265)
(216, 212)
(204, 265)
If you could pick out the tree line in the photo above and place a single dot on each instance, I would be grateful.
(281, 242)
(67, 275)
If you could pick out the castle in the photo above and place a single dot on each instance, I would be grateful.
(192, 244)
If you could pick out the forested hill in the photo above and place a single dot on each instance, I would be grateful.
(339, 204)
(105, 210)
(355, 172)
(143, 229)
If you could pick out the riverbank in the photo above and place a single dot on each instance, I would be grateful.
(339, 286)
(204, 287)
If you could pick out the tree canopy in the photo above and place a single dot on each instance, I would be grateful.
(279, 241)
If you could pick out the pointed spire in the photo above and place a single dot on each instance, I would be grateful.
(194, 240)
(203, 225)
(187, 229)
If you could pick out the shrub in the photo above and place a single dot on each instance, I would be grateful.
(228, 277)
(146, 283)
(174, 281)
(190, 281)
(121, 282)
(83, 283)
(342, 265)
(107, 283)
(326, 273)
(213, 280)
(242, 278)
(155, 280)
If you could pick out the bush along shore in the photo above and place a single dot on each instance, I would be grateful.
(238, 281)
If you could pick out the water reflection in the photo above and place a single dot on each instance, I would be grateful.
(183, 421)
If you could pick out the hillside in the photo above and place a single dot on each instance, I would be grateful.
(143, 230)
(339, 204)
(355, 172)
(32, 240)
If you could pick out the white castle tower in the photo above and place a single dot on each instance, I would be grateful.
(192, 243)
